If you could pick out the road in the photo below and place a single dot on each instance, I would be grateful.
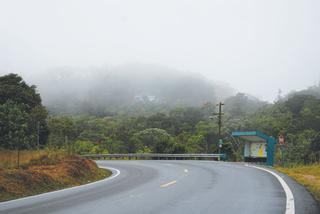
(186, 187)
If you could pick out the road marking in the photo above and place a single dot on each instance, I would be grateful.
(290, 200)
(168, 184)
(66, 189)
(186, 170)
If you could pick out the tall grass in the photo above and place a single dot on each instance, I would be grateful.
(307, 175)
(9, 158)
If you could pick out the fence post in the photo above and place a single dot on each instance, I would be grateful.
(18, 157)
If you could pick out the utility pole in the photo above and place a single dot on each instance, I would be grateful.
(220, 118)
(220, 124)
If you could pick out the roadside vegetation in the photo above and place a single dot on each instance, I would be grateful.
(48, 173)
(309, 176)
(8, 158)
(24, 168)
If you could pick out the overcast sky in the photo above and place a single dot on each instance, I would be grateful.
(257, 46)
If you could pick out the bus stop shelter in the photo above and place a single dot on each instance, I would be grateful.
(258, 146)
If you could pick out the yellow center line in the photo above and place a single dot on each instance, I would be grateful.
(168, 184)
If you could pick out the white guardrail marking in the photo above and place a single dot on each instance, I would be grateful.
(290, 200)
(66, 189)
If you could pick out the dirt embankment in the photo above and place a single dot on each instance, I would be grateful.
(47, 174)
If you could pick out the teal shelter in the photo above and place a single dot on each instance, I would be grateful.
(259, 147)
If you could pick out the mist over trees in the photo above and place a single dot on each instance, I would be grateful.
(313, 91)
(242, 104)
(164, 129)
(127, 89)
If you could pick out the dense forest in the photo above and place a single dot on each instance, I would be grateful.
(182, 128)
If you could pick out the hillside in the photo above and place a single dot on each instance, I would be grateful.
(313, 91)
(128, 88)
(47, 174)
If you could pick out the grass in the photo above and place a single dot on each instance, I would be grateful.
(308, 175)
(8, 158)
(46, 173)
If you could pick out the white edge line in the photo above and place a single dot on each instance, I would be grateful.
(66, 189)
(290, 199)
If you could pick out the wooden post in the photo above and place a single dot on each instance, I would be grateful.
(18, 163)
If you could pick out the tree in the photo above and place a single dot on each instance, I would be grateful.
(12, 87)
(85, 147)
(157, 140)
(15, 92)
(13, 127)
(196, 144)
(62, 133)
(208, 132)
(241, 105)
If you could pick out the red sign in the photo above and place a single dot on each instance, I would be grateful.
(281, 139)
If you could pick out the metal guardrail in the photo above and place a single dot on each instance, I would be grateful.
(156, 156)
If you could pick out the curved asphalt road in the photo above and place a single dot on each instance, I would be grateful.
(185, 187)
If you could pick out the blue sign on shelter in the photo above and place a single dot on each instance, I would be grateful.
(258, 146)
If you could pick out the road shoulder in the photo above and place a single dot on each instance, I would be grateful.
(304, 201)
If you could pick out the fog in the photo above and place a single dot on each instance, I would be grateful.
(131, 87)
(255, 47)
